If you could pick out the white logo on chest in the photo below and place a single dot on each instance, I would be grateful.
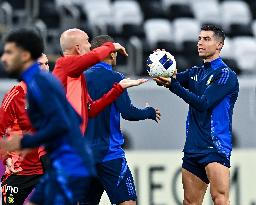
(194, 78)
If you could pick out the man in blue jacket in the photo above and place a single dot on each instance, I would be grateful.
(104, 136)
(211, 91)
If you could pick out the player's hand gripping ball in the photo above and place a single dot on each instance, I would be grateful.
(161, 63)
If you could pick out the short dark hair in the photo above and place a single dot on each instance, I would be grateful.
(218, 32)
(100, 40)
(27, 40)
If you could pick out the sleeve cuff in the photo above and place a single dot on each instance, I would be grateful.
(174, 84)
(118, 88)
(111, 45)
(152, 113)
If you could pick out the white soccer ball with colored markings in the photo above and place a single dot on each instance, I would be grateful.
(161, 63)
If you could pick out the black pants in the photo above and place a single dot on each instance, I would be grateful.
(16, 188)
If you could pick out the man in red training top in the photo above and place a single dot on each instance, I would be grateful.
(69, 69)
(23, 170)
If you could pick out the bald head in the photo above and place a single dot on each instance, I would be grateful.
(74, 42)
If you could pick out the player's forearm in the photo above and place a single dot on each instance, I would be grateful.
(52, 130)
(198, 102)
(95, 107)
(83, 62)
(183, 78)
(132, 113)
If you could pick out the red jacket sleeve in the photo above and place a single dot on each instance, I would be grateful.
(95, 107)
(78, 64)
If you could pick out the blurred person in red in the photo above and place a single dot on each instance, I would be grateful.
(23, 169)
(69, 69)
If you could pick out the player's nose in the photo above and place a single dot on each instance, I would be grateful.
(3, 58)
(199, 43)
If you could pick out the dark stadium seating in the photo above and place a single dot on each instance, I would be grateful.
(152, 9)
(240, 30)
(169, 24)
(179, 11)
(130, 30)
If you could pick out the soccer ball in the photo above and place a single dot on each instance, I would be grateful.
(161, 63)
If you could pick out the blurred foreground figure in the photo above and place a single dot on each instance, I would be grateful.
(23, 170)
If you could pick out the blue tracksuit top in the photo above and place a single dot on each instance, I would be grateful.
(56, 124)
(211, 91)
(103, 132)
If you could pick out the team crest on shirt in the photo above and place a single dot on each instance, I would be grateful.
(11, 199)
(209, 80)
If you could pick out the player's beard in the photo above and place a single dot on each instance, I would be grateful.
(14, 70)
(206, 55)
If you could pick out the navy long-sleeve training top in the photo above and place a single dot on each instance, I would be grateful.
(211, 91)
(103, 132)
(56, 124)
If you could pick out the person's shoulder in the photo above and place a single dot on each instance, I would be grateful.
(17, 89)
(118, 75)
(46, 80)
(12, 95)
(44, 84)
(59, 61)
(21, 87)
(58, 64)
(226, 76)
(93, 70)
(45, 74)
(105, 73)
(64, 61)
(97, 74)
(226, 70)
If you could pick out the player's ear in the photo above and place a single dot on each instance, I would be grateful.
(77, 49)
(220, 45)
(113, 55)
(26, 56)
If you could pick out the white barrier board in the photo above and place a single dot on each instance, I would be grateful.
(158, 178)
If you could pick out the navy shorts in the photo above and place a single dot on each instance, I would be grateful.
(115, 178)
(196, 163)
(56, 190)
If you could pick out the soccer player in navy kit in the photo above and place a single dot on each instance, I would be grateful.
(104, 136)
(211, 91)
